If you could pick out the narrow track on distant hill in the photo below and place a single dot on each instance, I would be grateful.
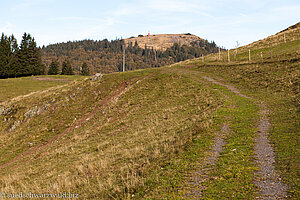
(112, 98)
(267, 179)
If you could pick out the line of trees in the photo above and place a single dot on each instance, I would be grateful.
(20, 60)
(106, 56)
(88, 56)
(67, 69)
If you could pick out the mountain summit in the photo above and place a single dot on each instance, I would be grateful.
(163, 41)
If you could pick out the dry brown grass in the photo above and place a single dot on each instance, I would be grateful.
(163, 41)
(112, 154)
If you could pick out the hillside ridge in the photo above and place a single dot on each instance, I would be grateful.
(163, 41)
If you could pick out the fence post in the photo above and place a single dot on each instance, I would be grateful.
(249, 55)
(271, 54)
(228, 56)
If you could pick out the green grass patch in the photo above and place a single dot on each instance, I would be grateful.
(232, 177)
(14, 87)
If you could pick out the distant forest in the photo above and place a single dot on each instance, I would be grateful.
(19, 60)
(88, 56)
(106, 56)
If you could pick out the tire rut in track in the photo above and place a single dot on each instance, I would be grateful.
(267, 179)
(195, 188)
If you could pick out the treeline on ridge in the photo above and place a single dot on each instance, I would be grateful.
(106, 56)
(19, 60)
(89, 56)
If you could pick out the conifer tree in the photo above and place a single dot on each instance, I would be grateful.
(22, 65)
(4, 56)
(85, 69)
(67, 68)
(35, 61)
(13, 58)
(54, 68)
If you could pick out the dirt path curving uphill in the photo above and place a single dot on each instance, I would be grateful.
(267, 179)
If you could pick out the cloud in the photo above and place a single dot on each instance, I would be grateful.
(26, 4)
(75, 19)
(94, 30)
(173, 5)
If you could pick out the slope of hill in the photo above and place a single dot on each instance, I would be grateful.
(190, 130)
(106, 56)
(272, 83)
(163, 41)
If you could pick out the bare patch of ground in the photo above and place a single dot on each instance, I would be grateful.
(50, 79)
(266, 177)
(229, 87)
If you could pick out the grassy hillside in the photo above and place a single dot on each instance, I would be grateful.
(124, 127)
(184, 131)
(274, 81)
(15, 87)
(163, 41)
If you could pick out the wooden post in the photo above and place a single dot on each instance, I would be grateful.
(228, 56)
(123, 57)
(271, 54)
(202, 59)
(235, 54)
(249, 55)
(284, 37)
(219, 54)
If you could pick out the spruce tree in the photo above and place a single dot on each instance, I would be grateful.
(54, 67)
(28, 57)
(35, 61)
(67, 68)
(85, 70)
(5, 52)
(22, 65)
(13, 59)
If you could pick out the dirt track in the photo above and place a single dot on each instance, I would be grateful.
(203, 174)
(267, 179)
(50, 79)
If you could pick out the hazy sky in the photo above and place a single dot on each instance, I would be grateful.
(224, 21)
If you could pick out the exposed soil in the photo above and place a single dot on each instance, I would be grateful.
(267, 179)
(112, 98)
(229, 87)
(50, 79)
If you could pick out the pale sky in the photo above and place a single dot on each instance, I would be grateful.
(224, 21)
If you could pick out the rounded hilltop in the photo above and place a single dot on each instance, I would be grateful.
(163, 41)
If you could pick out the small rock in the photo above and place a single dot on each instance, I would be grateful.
(97, 76)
